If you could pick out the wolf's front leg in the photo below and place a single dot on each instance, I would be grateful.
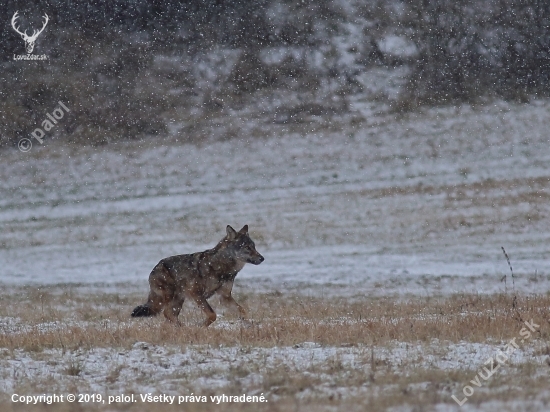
(226, 299)
(206, 308)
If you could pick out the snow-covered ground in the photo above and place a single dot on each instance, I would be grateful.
(411, 204)
(324, 372)
(396, 205)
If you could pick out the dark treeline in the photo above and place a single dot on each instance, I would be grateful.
(104, 56)
(472, 48)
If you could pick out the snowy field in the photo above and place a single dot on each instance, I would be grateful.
(329, 373)
(415, 205)
(401, 207)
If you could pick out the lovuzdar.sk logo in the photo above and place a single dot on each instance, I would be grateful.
(29, 40)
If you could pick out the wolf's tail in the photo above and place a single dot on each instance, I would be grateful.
(142, 311)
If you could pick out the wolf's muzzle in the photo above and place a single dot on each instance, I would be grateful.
(257, 260)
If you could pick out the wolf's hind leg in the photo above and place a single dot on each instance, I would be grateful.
(161, 290)
(155, 302)
(173, 307)
(151, 308)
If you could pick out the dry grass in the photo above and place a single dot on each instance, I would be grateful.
(72, 322)
(57, 318)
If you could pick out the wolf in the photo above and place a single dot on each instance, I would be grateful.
(198, 276)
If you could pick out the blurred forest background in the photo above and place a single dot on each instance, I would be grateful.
(219, 69)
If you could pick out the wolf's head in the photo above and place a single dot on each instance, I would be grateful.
(241, 246)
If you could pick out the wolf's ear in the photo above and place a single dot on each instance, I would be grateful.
(231, 234)
(244, 230)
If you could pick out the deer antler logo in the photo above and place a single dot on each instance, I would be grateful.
(29, 40)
